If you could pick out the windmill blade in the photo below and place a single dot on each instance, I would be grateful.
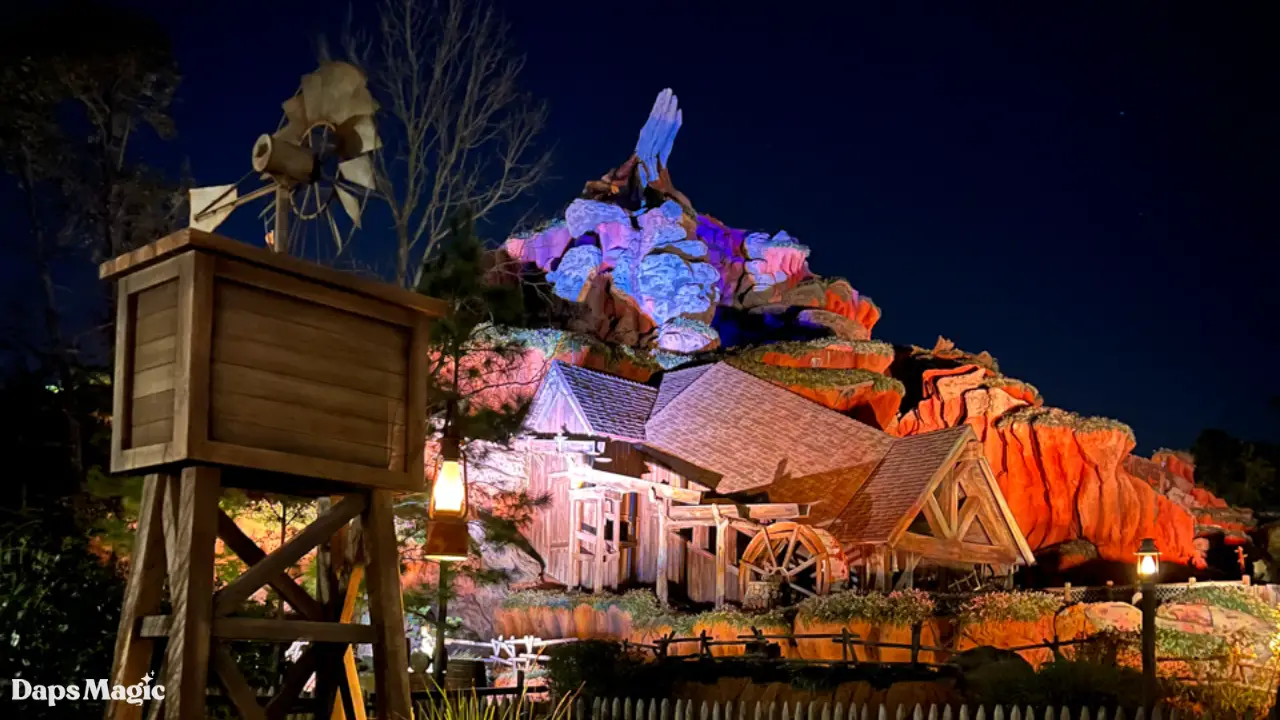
(209, 206)
(333, 227)
(341, 84)
(295, 115)
(312, 97)
(350, 203)
(359, 136)
(358, 171)
(358, 101)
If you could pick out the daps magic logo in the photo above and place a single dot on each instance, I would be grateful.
(25, 690)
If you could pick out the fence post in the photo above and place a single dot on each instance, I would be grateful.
(704, 649)
(915, 644)
(844, 644)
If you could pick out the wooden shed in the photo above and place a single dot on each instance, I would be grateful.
(713, 479)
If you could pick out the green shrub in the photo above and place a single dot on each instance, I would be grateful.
(596, 668)
(901, 607)
(1017, 606)
(1062, 682)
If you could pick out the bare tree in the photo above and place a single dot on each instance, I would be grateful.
(458, 131)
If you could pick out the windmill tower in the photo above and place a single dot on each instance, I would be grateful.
(318, 161)
(248, 368)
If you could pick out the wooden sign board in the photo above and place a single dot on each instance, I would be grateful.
(232, 355)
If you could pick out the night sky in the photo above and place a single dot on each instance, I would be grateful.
(1087, 194)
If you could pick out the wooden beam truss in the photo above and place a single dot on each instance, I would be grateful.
(178, 526)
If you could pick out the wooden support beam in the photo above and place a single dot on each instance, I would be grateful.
(575, 545)
(190, 530)
(386, 609)
(295, 679)
(230, 597)
(936, 518)
(269, 630)
(695, 515)
(238, 689)
(663, 543)
(247, 550)
(141, 596)
(631, 484)
(907, 579)
(881, 562)
(722, 557)
(967, 515)
(352, 676)
(956, 552)
(597, 573)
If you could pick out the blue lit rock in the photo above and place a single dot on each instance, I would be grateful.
(583, 216)
(683, 335)
(670, 286)
(577, 268)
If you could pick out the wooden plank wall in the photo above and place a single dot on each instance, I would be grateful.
(155, 329)
(549, 533)
(306, 378)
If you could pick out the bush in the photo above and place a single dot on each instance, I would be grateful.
(1229, 598)
(1028, 606)
(1061, 682)
(597, 668)
(901, 607)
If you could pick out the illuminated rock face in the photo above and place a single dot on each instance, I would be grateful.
(1065, 477)
(634, 237)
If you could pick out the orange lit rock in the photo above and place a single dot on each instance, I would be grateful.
(1061, 474)
(1009, 634)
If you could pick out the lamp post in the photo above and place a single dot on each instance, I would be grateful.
(1148, 569)
(447, 537)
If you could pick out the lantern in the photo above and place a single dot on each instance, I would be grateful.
(1148, 559)
(447, 535)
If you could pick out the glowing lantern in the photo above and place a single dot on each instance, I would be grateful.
(1148, 559)
(447, 536)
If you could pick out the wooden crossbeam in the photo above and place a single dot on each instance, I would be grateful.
(247, 550)
(259, 574)
(238, 689)
(936, 518)
(269, 630)
(295, 680)
(690, 515)
(631, 484)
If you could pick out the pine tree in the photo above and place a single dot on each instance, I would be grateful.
(469, 369)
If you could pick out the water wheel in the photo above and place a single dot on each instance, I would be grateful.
(797, 557)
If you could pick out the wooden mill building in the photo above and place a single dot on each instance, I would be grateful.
(713, 479)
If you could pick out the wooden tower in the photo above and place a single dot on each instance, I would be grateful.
(240, 368)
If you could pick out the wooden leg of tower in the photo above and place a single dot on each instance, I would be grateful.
(141, 597)
(386, 611)
(190, 531)
(661, 581)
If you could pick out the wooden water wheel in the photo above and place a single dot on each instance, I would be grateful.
(804, 559)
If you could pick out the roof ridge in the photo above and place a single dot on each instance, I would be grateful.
(845, 418)
(705, 367)
(593, 371)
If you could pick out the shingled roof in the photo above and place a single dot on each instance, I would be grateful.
(608, 404)
(754, 433)
(896, 484)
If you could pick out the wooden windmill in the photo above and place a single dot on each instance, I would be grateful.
(237, 367)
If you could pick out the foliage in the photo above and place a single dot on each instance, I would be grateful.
(740, 620)
(1231, 598)
(1174, 643)
(1057, 417)
(1070, 683)
(811, 377)
(462, 706)
(1017, 606)
(1242, 473)
(597, 668)
(55, 596)
(900, 607)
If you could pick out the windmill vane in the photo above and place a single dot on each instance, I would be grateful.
(322, 151)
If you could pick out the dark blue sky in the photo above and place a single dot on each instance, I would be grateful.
(1088, 193)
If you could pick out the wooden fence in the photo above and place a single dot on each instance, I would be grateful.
(650, 709)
